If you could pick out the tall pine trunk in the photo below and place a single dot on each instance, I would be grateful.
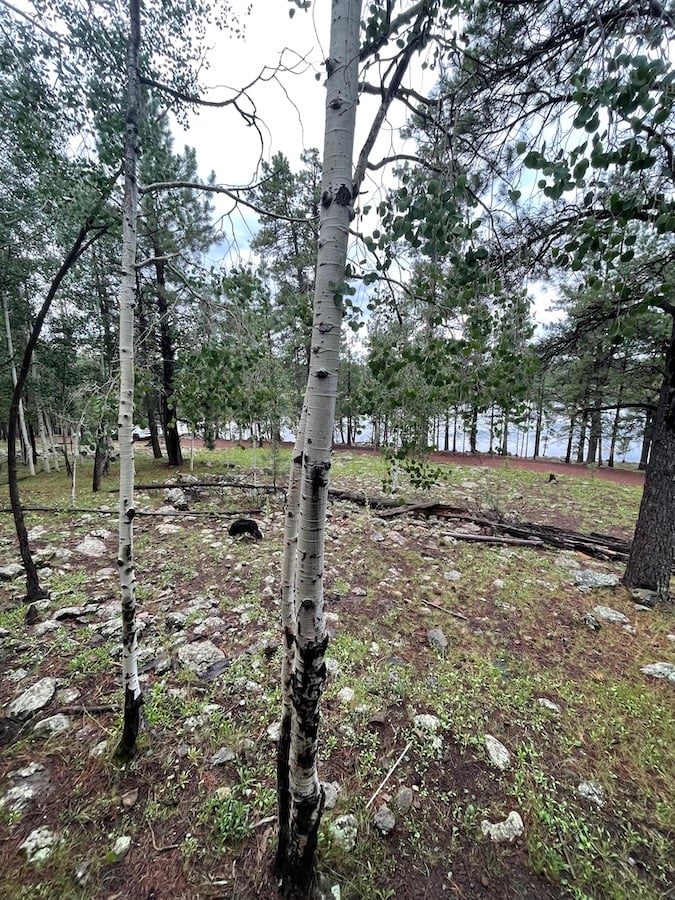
(132, 690)
(651, 557)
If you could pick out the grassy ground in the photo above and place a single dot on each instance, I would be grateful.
(513, 622)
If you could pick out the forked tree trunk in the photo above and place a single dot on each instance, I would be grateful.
(651, 557)
(22, 419)
(132, 690)
(299, 824)
(33, 589)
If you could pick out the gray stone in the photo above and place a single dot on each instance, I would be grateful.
(121, 847)
(645, 597)
(426, 722)
(331, 790)
(589, 580)
(611, 615)
(548, 704)
(91, 546)
(404, 799)
(10, 572)
(36, 697)
(345, 695)
(223, 756)
(377, 536)
(17, 675)
(274, 732)
(499, 755)
(593, 792)
(332, 666)
(508, 830)
(177, 498)
(39, 844)
(53, 725)
(199, 657)
(27, 783)
(590, 622)
(384, 820)
(660, 670)
(437, 640)
(168, 528)
(344, 831)
(452, 575)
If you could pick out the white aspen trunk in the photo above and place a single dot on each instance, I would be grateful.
(125, 561)
(52, 442)
(22, 418)
(43, 441)
(289, 627)
(309, 670)
(75, 451)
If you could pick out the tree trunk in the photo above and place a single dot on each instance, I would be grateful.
(647, 436)
(22, 419)
(33, 589)
(168, 409)
(570, 439)
(295, 859)
(473, 430)
(125, 560)
(651, 557)
(152, 428)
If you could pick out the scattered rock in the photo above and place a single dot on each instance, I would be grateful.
(499, 755)
(345, 695)
(91, 546)
(437, 640)
(200, 656)
(590, 622)
(53, 725)
(384, 820)
(274, 732)
(508, 830)
(452, 575)
(377, 536)
(36, 697)
(645, 597)
(593, 792)
(426, 722)
(344, 831)
(120, 848)
(223, 756)
(27, 783)
(660, 670)
(39, 844)
(611, 615)
(130, 798)
(10, 572)
(332, 666)
(331, 790)
(177, 498)
(548, 704)
(589, 580)
(404, 799)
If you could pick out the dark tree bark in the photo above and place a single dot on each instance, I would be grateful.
(651, 557)
(152, 427)
(33, 589)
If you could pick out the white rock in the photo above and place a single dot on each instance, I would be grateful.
(611, 615)
(427, 722)
(499, 755)
(660, 670)
(52, 725)
(548, 704)
(91, 546)
(121, 847)
(344, 831)
(36, 697)
(198, 657)
(593, 792)
(345, 695)
(508, 830)
(39, 844)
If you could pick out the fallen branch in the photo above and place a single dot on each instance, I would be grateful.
(389, 774)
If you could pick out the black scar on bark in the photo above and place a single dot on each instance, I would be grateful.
(132, 725)
(343, 196)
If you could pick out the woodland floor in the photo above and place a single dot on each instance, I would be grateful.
(513, 619)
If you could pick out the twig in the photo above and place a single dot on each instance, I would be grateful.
(267, 821)
(450, 612)
(154, 843)
(389, 774)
